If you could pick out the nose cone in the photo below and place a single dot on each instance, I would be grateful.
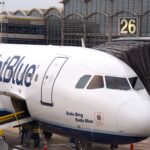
(133, 118)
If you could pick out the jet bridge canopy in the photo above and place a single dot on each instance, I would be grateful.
(135, 52)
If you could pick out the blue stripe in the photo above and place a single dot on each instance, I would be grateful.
(4, 113)
(91, 136)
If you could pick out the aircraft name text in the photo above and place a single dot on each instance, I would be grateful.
(79, 117)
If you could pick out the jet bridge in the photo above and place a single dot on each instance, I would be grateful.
(133, 51)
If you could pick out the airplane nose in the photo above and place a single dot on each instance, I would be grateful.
(133, 118)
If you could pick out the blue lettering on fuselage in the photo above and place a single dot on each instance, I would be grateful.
(15, 71)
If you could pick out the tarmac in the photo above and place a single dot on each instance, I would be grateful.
(61, 143)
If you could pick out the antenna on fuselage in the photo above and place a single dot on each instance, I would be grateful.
(83, 43)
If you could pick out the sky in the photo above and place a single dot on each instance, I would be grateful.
(12, 5)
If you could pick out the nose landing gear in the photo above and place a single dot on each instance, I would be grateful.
(82, 144)
(114, 146)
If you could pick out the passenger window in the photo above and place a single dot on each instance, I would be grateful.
(83, 81)
(117, 83)
(96, 82)
(136, 83)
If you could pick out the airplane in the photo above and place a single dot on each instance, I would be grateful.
(85, 94)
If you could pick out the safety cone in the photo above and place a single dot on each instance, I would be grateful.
(45, 146)
(131, 147)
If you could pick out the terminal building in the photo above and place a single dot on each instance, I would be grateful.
(30, 27)
(96, 21)
(24, 30)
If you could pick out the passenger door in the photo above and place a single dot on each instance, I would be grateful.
(49, 80)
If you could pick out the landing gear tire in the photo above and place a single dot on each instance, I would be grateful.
(47, 135)
(82, 145)
(114, 146)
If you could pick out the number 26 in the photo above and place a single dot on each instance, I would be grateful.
(128, 26)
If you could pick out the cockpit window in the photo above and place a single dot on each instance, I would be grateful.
(96, 82)
(136, 83)
(83, 81)
(117, 83)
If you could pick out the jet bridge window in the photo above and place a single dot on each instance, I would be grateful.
(96, 82)
(136, 83)
(83, 81)
(117, 83)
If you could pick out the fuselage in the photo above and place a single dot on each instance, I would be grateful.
(76, 91)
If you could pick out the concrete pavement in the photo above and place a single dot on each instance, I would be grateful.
(61, 143)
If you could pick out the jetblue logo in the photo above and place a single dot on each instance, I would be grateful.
(15, 71)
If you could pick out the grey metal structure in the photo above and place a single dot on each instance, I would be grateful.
(100, 18)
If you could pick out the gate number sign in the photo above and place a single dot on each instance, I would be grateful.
(128, 26)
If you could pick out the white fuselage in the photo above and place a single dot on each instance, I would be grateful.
(46, 78)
